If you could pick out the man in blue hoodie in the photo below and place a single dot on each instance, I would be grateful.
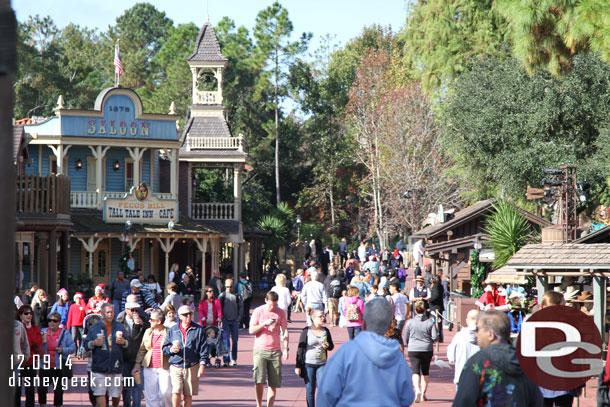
(371, 369)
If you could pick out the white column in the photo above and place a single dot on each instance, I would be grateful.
(235, 255)
(172, 154)
(237, 191)
(215, 247)
(194, 74)
(99, 152)
(90, 246)
(60, 152)
(219, 80)
(136, 154)
(167, 245)
(202, 244)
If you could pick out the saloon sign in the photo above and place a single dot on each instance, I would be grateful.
(139, 206)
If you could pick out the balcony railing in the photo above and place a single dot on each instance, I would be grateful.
(83, 199)
(50, 194)
(88, 199)
(207, 98)
(211, 143)
(213, 211)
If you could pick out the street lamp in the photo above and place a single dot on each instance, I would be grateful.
(298, 220)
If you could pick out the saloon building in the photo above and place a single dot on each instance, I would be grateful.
(131, 180)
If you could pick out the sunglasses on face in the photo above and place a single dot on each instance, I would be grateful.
(27, 313)
(53, 320)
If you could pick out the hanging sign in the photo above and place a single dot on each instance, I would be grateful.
(140, 206)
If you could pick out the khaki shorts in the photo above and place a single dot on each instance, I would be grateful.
(333, 306)
(267, 364)
(184, 381)
(107, 383)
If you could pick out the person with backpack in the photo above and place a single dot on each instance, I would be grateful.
(244, 288)
(334, 287)
(353, 308)
(232, 311)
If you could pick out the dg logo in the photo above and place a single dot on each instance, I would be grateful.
(560, 348)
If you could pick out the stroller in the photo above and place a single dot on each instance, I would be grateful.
(214, 347)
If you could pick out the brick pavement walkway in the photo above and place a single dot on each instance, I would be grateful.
(234, 387)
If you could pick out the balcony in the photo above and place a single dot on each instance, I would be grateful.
(89, 199)
(212, 143)
(43, 195)
(213, 211)
(207, 98)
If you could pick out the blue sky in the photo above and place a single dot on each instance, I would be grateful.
(342, 18)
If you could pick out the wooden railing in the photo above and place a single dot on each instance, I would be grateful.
(213, 211)
(36, 194)
(88, 199)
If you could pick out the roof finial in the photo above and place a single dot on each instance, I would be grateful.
(207, 11)
(60, 102)
(172, 108)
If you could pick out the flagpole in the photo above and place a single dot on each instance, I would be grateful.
(117, 76)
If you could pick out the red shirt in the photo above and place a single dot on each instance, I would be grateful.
(156, 359)
(76, 314)
(35, 341)
(183, 330)
(52, 339)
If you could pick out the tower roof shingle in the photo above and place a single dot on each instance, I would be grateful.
(207, 48)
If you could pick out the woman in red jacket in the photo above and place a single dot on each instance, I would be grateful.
(27, 370)
(76, 316)
(210, 309)
(97, 300)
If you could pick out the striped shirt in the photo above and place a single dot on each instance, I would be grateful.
(156, 359)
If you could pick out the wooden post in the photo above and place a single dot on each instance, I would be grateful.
(8, 67)
(599, 303)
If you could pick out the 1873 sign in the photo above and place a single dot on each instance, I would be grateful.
(139, 206)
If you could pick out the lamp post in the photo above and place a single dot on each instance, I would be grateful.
(298, 220)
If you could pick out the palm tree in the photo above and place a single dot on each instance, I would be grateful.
(508, 232)
(279, 223)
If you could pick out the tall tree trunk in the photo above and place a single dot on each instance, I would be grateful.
(277, 132)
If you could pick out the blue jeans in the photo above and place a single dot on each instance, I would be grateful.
(311, 381)
(230, 328)
(132, 395)
(352, 331)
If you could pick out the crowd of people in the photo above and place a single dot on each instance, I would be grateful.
(138, 343)
(147, 345)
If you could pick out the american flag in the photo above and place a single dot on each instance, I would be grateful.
(118, 64)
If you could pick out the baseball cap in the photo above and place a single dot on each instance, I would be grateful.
(184, 309)
(131, 305)
(135, 283)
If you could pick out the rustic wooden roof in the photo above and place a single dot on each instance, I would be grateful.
(479, 208)
(562, 256)
(599, 236)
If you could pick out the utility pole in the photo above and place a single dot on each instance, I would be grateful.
(8, 68)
